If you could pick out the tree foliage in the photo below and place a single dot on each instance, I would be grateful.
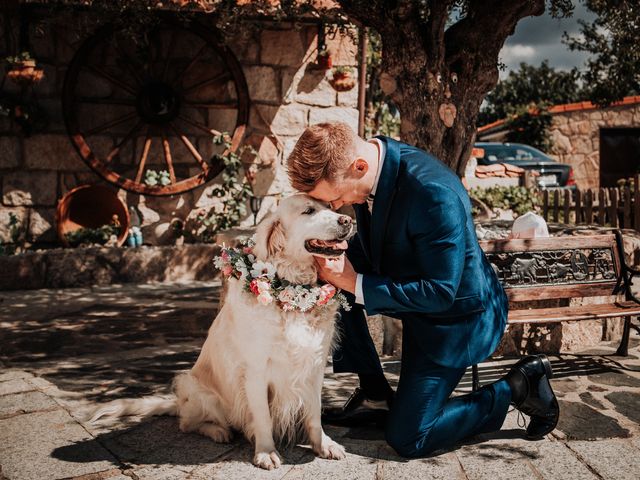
(613, 71)
(530, 84)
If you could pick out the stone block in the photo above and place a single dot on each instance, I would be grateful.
(610, 459)
(52, 152)
(284, 120)
(308, 86)
(343, 50)
(268, 148)
(29, 188)
(9, 151)
(17, 385)
(282, 48)
(348, 99)
(334, 114)
(42, 225)
(25, 402)
(223, 120)
(263, 84)
(67, 181)
(49, 445)
(6, 231)
(48, 86)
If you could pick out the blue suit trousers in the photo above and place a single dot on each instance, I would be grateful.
(423, 418)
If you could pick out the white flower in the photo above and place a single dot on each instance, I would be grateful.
(265, 298)
(287, 295)
(263, 287)
(261, 269)
(306, 302)
(242, 268)
(218, 262)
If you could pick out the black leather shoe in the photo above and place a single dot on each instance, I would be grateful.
(532, 394)
(358, 410)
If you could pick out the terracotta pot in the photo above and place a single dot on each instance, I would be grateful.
(342, 81)
(91, 206)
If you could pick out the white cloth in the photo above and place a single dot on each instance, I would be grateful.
(381, 153)
(529, 225)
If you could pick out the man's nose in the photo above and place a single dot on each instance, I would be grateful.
(344, 220)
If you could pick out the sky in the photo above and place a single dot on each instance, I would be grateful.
(540, 38)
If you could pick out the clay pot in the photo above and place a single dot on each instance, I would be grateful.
(91, 206)
(342, 81)
(25, 73)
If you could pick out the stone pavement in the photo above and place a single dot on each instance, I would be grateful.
(61, 349)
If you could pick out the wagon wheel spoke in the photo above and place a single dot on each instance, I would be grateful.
(193, 150)
(107, 76)
(167, 60)
(132, 66)
(193, 61)
(200, 126)
(143, 157)
(107, 101)
(125, 139)
(167, 158)
(111, 123)
(213, 106)
(208, 81)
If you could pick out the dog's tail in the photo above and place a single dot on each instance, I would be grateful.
(144, 407)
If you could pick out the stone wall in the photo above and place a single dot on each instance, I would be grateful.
(287, 94)
(576, 138)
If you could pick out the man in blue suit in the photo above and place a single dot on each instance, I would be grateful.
(416, 258)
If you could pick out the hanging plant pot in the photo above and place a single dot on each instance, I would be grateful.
(324, 60)
(342, 79)
(25, 72)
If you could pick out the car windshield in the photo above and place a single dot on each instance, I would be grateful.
(510, 153)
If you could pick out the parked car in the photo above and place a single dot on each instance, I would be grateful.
(552, 173)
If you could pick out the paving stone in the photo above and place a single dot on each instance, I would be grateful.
(554, 461)
(611, 459)
(160, 442)
(15, 386)
(508, 461)
(616, 379)
(49, 445)
(14, 375)
(360, 463)
(581, 422)
(237, 465)
(627, 404)
(160, 472)
(25, 403)
(563, 386)
(445, 467)
(589, 399)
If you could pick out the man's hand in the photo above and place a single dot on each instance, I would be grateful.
(338, 272)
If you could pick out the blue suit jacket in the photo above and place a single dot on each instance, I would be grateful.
(421, 261)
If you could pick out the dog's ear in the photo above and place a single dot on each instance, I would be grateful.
(270, 237)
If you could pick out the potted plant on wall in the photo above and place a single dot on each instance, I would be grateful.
(342, 78)
(23, 69)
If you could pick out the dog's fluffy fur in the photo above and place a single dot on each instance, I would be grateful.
(261, 369)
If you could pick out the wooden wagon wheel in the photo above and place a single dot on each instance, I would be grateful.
(154, 102)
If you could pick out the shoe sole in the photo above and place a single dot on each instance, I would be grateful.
(547, 366)
(549, 373)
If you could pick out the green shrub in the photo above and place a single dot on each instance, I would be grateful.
(519, 199)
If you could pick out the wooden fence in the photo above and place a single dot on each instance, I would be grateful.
(614, 207)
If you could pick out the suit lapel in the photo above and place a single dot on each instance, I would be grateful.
(363, 220)
(385, 193)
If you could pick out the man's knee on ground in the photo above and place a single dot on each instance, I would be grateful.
(408, 446)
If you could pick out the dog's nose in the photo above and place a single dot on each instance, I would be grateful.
(344, 220)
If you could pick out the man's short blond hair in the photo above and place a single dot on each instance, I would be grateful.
(322, 152)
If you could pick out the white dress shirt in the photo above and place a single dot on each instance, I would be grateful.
(381, 153)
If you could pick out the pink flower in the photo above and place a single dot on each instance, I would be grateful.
(265, 298)
(227, 270)
(225, 255)
(247, 250)
(253, 286)
(327, 291)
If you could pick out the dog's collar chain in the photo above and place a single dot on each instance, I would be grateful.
(261, 280)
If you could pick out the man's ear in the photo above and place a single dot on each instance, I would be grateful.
(270, 237)
(360, 166)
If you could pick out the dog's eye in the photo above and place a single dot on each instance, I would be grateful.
(309, 211)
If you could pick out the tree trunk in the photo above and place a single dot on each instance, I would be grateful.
(437, 76)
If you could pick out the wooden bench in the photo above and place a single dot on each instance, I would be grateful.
(564, 268)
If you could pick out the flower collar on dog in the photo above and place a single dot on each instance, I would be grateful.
(261, 280)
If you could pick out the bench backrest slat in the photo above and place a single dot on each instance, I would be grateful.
(555, 267)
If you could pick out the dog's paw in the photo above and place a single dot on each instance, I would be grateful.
(267, 460)
(331, 450)
(215, 432)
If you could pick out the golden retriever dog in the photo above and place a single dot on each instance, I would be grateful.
(261, 368)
